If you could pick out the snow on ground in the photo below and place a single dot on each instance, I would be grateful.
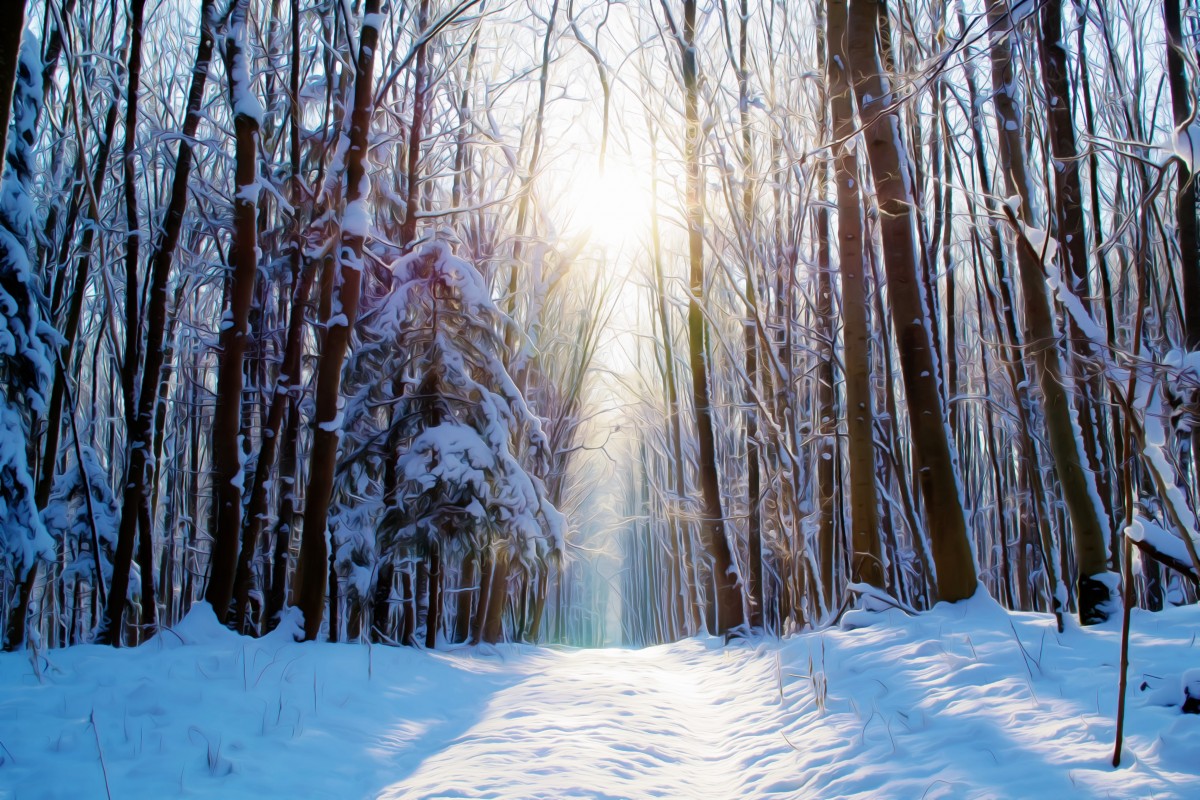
(964, 701)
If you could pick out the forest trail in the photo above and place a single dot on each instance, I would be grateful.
(679, 722)
(963, 701)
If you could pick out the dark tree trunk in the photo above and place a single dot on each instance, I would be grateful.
(860, 424)
(462, 605)
(314, 550)
(937, 475)
(433, 617)
(137, 492)
(228, 452)
(727, 609)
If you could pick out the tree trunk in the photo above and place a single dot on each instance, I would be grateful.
(228, 454)
(727, 607)
(937, 474)
(137, 492)
(314, 550)
(754, 588)
(462, 605)
(860, 424)
(1185, 202)
(433, 617)
(408, 231)
(132, 238)
(1075, 481)
(381, 606)
(493, 625)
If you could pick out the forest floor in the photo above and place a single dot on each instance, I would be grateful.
(964, 701)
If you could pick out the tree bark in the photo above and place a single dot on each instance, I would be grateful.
(408, 231)
(137, 492)
(462, 605)
(229, 450)
(1090, 521)
(938, 469)
(1185, 202)
(314, 550)
(860, 424)
(1041, 338)
(728, 605)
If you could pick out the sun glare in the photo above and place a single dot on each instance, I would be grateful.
(613, 209)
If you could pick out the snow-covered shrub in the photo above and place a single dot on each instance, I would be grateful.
(70, 518)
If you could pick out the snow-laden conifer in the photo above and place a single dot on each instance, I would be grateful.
(25, 340)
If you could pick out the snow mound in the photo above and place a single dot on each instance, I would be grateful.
(200, 627)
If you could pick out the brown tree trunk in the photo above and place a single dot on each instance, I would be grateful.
(676, 468)
(314, 550)
(462, 605)
(486, 573)
(860, 424)
(288, 381)
(228, 454)
(938, 472)
(256, 507)
(493, 625)
(1070, 466)
(137, 493)
(1185, 202)
(433, 617)
(408, 231)
(727, 606)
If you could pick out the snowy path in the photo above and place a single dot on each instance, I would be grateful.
(672, 723)
(965, 701)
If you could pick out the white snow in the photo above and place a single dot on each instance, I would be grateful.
(243, 99)
(1161, 540)
(357, 219)
(963, 701)
(1187, 144)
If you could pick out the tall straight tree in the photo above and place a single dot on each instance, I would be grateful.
(1185, 201)
(312, 569)
(137, 490)
(125, 541)
(235, 322)
(937, 467)
(727, 605)
(1041, 337)
(860, 423)
(1089, 517)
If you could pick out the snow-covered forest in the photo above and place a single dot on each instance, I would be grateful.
(453, 335)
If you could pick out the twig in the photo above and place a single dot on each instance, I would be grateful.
(100, 750)
(1123, 680)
